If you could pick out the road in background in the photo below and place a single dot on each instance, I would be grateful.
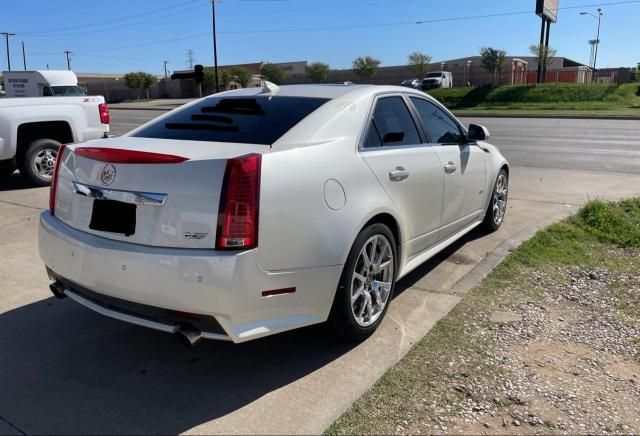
(592, 145)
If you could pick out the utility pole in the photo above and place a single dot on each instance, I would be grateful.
(6, 37)
(24, 57)
(68, 53)
(165, 69)
(215, 44)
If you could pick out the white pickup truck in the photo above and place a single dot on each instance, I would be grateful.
(32, 129)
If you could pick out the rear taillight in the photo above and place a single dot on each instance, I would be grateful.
(239, 202)
(54, 180)
(105, 118)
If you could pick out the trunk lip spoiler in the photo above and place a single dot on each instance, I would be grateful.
(132, 197)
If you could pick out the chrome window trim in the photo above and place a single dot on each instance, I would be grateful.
(417, 123)
(132, 197)
(463, 130)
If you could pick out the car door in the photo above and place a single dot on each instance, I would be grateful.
(463, 167)
(408, 169)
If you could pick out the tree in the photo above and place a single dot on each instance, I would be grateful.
(209, 82)
(273, 73)
(366, 66)
(493, 60)
(242, 75)
(543, 55)
(419, 63)
(318, 71)
(140, 80)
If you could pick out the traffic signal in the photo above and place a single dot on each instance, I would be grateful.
(197, 74)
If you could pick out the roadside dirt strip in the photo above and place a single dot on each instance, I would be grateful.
(66, 370)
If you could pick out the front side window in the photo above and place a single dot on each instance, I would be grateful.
(391, 124)
(247, 120)
(440, 126)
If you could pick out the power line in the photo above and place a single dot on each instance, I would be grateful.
(120, 26)
(344, 27)
(114, 20)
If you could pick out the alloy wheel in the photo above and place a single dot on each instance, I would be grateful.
(500, 195)
(372, 280)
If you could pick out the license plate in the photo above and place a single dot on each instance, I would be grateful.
(113, 217)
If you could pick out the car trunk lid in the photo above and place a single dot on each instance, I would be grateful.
(155, 192)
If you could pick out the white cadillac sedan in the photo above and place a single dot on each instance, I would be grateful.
(257, 211)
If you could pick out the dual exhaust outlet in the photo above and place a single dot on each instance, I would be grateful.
(187, 334)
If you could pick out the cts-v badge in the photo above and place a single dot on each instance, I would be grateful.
(108, 174)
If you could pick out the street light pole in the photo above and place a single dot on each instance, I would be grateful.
(599, 18)
(595, 57)
(215, 44)
(6, 37)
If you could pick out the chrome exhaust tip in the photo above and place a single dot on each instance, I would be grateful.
(58, 290)
(188, 336)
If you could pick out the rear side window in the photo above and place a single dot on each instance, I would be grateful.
(247, 120)
(440, 126)
(391, 125)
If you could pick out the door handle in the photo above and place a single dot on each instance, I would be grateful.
(450, 168)
(399, 174)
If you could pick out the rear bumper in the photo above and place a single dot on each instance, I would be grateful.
(226, 286)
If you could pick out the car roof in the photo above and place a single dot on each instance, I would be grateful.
(331, 91)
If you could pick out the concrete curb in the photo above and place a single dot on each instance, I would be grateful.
(159, 109)
(496, 256)
(550, 116)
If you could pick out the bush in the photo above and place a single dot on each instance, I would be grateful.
(547, 93)
(613, 222)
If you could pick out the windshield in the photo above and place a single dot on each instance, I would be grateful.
(434, 75)
(68, 91)
(247, 120)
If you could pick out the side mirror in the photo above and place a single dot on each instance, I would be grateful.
(478, 133)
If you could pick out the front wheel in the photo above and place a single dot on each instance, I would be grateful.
(40, 161)
(498, 205)
(366, 285)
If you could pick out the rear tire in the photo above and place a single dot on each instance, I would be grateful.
(6, 169)
(366, 285)
(39, 161)
(498, 205)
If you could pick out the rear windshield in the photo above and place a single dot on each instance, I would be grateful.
(434, 75)
(247, 120)
(68, 91)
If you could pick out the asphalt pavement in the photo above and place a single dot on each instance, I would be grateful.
(65, 369)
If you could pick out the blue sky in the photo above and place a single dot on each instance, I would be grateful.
(126, 35)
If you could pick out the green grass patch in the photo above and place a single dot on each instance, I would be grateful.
(602, 234)
(568, 96)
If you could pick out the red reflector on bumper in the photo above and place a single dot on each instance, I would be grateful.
(274, 292)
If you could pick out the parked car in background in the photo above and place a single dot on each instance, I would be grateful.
(437, 79)
(43, 83)
(412, 83)
(261, 210)
(32, 130)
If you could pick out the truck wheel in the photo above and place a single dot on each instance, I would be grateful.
(39, 161)
(6, 169)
